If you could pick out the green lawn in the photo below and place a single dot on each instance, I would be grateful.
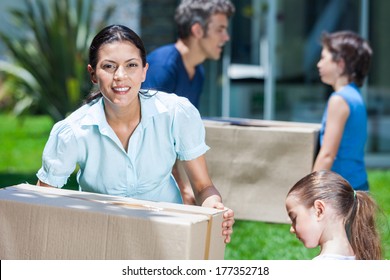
(21, 146)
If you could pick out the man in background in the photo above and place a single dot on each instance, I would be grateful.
(177, 68)
(203, 31)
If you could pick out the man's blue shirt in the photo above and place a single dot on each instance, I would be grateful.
(167, 73)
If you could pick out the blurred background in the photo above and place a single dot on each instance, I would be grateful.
(268, 70)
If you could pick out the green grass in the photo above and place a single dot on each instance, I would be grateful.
(21, 145)
(380, 189)
(22, 142)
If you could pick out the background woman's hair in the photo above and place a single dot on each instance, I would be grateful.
(353, 49)
(357, 208)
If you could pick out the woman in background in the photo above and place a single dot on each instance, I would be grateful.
(344, 64)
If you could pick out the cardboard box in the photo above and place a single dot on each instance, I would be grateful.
(253, 163)
(48, 223)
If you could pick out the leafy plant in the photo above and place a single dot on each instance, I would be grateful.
(49, 59)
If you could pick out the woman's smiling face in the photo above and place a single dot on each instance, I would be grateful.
(119, 72)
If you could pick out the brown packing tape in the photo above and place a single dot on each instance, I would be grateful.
(208, 238)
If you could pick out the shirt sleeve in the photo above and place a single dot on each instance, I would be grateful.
(59, 156)
(189, 131)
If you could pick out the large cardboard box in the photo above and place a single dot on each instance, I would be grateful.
(48, 223)
(254, 163)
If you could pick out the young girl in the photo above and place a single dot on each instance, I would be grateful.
(325, 211)
(344, 64)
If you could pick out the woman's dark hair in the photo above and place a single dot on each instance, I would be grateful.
(109, 34)
(356, 207)
(353, 49)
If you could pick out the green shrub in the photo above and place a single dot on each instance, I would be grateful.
(49, 58)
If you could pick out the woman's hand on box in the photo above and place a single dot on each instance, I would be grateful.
(228, 221)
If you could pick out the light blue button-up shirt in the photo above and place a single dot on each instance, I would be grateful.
(170, 128)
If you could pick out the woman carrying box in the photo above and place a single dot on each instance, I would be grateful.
(125, 140)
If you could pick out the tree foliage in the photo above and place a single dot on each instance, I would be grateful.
(48, 60)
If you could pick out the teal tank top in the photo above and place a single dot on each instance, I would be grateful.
(349, 161)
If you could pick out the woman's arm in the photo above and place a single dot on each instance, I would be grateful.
(184, 185)
(338, 113)
(206, 194)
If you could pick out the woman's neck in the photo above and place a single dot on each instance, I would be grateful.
(340, 83)
(117, 114)
(124, 121)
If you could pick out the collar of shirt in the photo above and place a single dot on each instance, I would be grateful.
(150, 107)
